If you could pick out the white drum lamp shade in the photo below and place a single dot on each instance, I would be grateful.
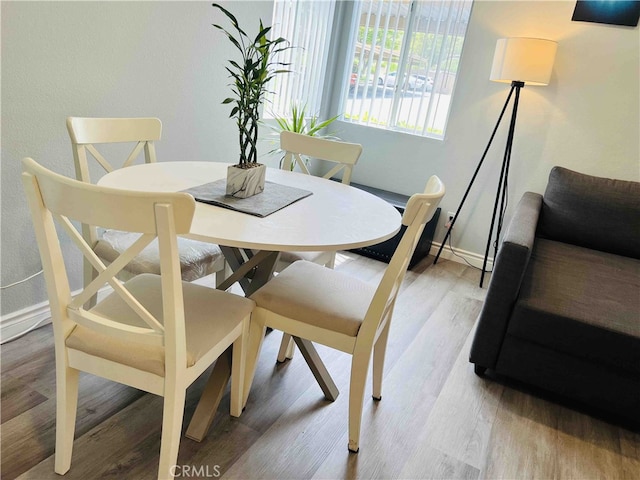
(528, 60)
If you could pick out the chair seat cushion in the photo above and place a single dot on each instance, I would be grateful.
(197, 259)
(313, 294)
(210, 315)
(582, 302)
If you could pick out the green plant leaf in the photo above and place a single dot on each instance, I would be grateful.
(233, 19)
(249, 79)
(322, 125)
(262, 35)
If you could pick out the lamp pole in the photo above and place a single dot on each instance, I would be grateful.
(501, 194)
(503, 183)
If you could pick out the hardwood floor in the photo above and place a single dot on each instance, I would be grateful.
(437, 419)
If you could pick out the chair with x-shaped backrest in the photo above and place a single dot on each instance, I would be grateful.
(326, 306)
(197, 259)
(156, 333)
(298, 148)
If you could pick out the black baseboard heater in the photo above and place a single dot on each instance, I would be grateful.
(384, 251)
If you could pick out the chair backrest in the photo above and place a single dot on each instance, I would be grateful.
(53, 198)
(417, 214)
(85, 132)
(345, 154)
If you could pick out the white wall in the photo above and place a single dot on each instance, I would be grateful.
(108, 59)
(164, 59)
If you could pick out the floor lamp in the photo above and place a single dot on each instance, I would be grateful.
(520, 62)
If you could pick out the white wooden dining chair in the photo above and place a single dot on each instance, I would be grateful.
(197, 259)
(156, 333)
(298, 148)
(328, 307)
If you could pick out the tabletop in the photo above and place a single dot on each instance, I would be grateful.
(334, 217)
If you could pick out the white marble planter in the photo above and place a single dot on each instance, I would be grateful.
(245, 182)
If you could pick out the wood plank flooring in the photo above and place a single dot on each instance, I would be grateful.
(436, 420)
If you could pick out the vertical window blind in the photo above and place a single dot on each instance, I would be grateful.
(307, 25)
(404, 59)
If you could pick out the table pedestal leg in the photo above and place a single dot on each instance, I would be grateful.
(251, 270)
(318, 369)
(210, 399)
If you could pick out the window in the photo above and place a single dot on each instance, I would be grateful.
(404, 60)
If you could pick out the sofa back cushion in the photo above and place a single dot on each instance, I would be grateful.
(592, 212)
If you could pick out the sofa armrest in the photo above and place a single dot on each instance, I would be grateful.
(508, 271)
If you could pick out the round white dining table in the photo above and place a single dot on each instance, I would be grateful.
(334, 217)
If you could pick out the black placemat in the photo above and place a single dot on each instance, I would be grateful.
(275, 197)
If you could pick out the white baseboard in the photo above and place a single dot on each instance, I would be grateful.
(23, 321)
(460, 256)
(18, 323)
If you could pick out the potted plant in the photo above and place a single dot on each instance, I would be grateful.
(250, 77)
(300, 122)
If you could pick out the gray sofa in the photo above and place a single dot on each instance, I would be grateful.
(562, 310)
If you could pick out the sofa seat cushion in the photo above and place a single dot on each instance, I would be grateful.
(581, 302)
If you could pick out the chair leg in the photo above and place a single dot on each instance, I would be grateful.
(379, 352)
(238, 366)
(256, 336)
(210, 399)
(172, 415)
(359, 368)
(332, 263)
(66, 408)
(287, 348)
